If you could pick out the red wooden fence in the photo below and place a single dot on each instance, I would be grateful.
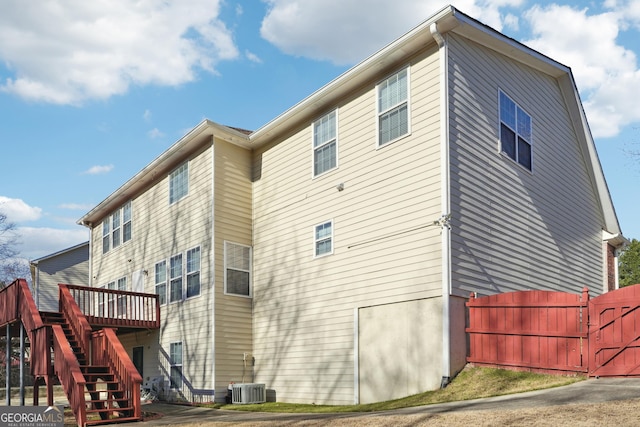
(541, 330)
(614, 333)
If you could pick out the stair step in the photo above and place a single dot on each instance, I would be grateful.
(110, 400)
(95, 369)
(97, 411)
(112, 420)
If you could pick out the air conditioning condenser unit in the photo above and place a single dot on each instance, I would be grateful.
(248, 393)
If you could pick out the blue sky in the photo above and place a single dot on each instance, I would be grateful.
(91, 92)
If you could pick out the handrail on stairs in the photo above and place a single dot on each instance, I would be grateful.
(68, 370)
(108, 351)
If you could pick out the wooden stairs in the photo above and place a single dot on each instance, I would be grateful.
(105, 399)
(79, 346)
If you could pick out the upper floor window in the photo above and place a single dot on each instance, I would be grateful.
(170, 277)
(161, 281)
(325, 144)
(175, 278)
(179, 183)
(515, 132)
(393, 107)
(237, 267)
(323, 238)
(116, 228)
(193, 272)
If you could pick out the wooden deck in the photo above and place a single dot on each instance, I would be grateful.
(87, 351)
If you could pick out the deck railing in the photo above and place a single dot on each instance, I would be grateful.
(68, 370)
(77, 322)
(16, 303)
(39, 335)
(108, 351)
(115, 308)
(9, 303)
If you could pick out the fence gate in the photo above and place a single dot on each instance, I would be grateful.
(614, 333)
(540, 330)
(557, 331)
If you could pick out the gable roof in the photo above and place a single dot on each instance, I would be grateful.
(60, 252)
(448, 19)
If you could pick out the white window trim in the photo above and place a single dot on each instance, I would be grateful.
(315, 241)
(171, 203)
(109, 221)
(500, 150)
(379, 113)
(250, 270)
(186, 273)
(183, 276)
(170, 279)
(172, 364)
(155, 284)
(313, 147)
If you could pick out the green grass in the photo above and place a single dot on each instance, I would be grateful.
(471, 383)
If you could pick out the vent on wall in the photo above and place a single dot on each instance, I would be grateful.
(248, 393)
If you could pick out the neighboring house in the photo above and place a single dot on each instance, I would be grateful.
(329, 254)
(69, 266)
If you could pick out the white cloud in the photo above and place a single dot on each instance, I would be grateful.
(69, 52)
(98, 169)
(155, 133)
(17, 210)
(347, 31)
(147, 115)
(253, 57)
(36, 242)
(604, 70)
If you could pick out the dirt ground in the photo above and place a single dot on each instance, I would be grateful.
(619, 413)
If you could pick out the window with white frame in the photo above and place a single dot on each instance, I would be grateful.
(323, 238)
(117, 228)
(116, 304)
(175, 356)
(175, 278)
(101, 302)
(179, 277)
(126, 222)
(393, 107)
(515, 132)
(111, 310)
(237, 267)
(179, 183)
(325, 154)
(121, 285)
(161, 281)
(193, 272)
(106, 236)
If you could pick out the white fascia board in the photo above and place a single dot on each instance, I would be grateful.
(196, 138)
(371, 68)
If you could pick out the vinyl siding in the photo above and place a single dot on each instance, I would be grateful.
(385, 248)
(232, 223)
(160, 231)
(513, 229)
(70, 267)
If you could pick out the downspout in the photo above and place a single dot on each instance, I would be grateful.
(212, 269)
(445, 204)
(90, 227)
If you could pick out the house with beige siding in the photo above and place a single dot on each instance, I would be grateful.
(329, 253)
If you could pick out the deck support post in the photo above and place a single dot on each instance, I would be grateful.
(8, 365)
(22, 350)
